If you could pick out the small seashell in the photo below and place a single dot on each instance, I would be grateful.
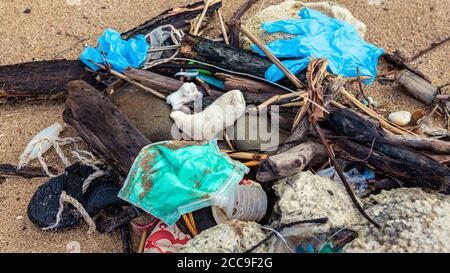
(401, 118)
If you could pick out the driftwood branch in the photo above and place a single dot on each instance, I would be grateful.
(224, 56)
(421, 143)
(44, 78)
(414, 169)
(432, 47)
(248, 85)
(363, 142)
(27, 172)
(292, 161)
(236, 20)
(178, 17)
(167, 85)
(417, 86)
(103, 126)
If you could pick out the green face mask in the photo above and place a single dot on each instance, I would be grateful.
(169, 179)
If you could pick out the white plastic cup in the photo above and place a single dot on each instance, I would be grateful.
(245, 203)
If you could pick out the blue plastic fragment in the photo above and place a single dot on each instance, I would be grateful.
(115, 51)
(368, 174)
(212, 81)
(319, 36)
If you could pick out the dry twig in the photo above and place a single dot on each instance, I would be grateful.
(201, 18)
(130, 80)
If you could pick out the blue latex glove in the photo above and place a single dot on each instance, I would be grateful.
(119, 53)
(321, 37)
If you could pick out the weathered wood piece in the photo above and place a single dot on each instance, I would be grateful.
(291, 162)
(414, 169)
(178, 17)
(297, 136)
(167, 85)
(417, 86)
(103, 126)
(27, 172)
(41, 78)
(443, 159)
(421, 143)
(364, 143)
(224, 56)
(233, 82)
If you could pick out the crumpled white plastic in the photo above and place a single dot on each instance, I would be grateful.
(40, 144)
(187, 93)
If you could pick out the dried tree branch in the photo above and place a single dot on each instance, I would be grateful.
(236, 20)
(341, 174)
(431, 48)
(27, 172)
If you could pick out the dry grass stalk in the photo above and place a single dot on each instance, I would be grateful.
(389, 126)
(201, 18)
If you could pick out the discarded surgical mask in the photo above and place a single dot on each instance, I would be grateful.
(220, 115)
(320, 36)
(169, 179)
(116, 52)
(187, 93)
(40, 144)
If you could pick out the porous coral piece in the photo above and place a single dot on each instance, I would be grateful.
(232, 237)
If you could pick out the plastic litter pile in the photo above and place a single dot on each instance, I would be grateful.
(199, 145)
